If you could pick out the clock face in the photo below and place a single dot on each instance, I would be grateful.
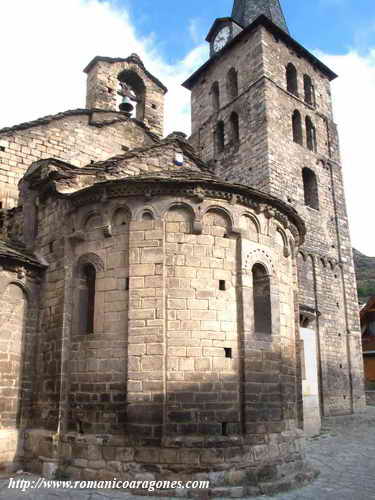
(221, 38)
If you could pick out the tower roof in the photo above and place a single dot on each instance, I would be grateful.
(246, 11)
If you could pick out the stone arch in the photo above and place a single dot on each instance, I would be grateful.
(92, 220)
(302, 255)
(217, 221)
(250, 225)
(120, 219)
(259, 256)
(291, 79)
(179, 218)
(14, 304)
(84, 293)
(90, 258)
(137, 87)
(311, 142)
(297, 127)
(283, 239)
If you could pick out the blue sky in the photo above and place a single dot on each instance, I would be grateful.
(46, 78)
(330, 25)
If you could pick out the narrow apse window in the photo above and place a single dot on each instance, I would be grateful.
(262, 300)
(87, 299)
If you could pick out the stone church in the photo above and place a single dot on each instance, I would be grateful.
(173, 307)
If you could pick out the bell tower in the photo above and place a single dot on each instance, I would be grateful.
(125, 85)
(262, 116)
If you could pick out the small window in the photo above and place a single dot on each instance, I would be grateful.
(297, 127)
(291, 79)
(310, 188)
(222, 285)
(215, 93)
(262, 300)
(87, 299)
(220, 137)
(228, 352)
(310, 135)
(232, 84)
(235, 128)
(309, 90)
(2, 149)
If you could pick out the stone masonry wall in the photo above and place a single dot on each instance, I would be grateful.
(78, 138)
(17, 342)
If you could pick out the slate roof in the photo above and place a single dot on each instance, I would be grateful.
(17, 251)
(45, 120)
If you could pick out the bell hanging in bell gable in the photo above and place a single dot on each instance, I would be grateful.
(126, 105)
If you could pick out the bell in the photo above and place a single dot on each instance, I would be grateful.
(126, 105)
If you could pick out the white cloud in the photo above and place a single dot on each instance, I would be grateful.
(354, 108)
(47, 43)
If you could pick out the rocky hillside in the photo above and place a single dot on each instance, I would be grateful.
(365, 270)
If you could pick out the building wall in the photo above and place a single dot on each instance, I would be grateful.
(18, 323)
(78, 139)
(267, 157)
(103, 85)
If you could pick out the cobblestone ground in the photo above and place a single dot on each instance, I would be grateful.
(344, 453)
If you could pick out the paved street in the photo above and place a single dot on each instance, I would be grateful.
(344, 453)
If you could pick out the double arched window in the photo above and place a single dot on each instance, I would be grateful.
(262, 300)
(311, 142)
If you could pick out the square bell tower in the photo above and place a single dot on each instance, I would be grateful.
(262, 116)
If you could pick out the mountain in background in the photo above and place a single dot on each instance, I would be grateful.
(365, 271)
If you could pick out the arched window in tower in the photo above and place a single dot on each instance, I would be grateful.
(310, 188)
(232, 83)
(309, 90)
(235, 128)
(87, 285)
(215, 93)
(297, 127)
(310, 135)
(262, 300)
(291, 79)
(132, 92)
(220, 137)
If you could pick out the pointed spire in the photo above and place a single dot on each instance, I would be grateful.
(246, 11)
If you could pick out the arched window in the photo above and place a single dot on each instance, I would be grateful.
(309, 90)
(235, 128)
(215, 93)
(310, 135)
(297, 127)
(310, 188)
(220, 137)
(262, 300)
(86, 299)
(131, 83)
(232, 83)
(291, 79)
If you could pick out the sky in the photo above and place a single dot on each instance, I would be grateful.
(47, 43)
